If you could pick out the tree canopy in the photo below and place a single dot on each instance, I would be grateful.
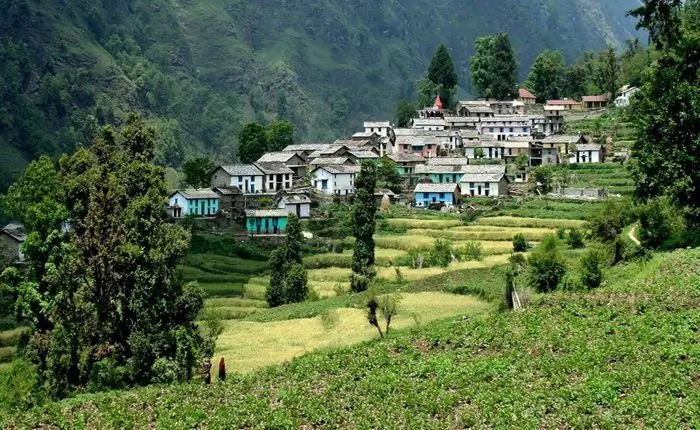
(494, 67)
(364, 211)
(197, 172)
(547, 75)
(101, 296)
(441, 72)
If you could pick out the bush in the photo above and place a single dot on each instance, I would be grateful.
(473, 251)
(20, 387)
(107, 375)
(519, 243)
(441, 254)
(608, 223)
(575, 239)
(561, 233)
(164, 371)
(546, 266)
(592, 269)
(661, 225)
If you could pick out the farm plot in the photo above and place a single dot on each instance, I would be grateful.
(247, 346)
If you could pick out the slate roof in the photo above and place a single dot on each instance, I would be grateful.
(403, 157)
(436, 188)
(485, 169)
(200, 193)
(276, 157)
(374, 124)
(15, 231)
(302, 147)
(561, 138)
(273, 168)
(438, 169)
(227, 191)
(384, 191)
(428, 121)
(482, 177)
(448, 161)
(364, 154)
(329, 161)
(483, 143)
(562, 102)
(266, 213)
(341, 169)
(588, 147)
(241, 170)
(477, 109)
(295, 199)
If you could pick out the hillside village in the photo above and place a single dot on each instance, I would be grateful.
(480, 148)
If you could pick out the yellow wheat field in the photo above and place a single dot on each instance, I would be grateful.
(509, 221)
(424, 223)
(248, 346)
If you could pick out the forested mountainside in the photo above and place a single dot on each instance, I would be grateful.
(198, 70)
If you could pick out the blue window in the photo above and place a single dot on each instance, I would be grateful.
(502, 129)
(526, 129)
(512, 129)
(442, 196)
(490, 129)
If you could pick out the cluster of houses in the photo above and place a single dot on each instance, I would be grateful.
(444, 156)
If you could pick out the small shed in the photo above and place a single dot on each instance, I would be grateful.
(299, 204)
(12, 237)
(266, 222)
(379, 194)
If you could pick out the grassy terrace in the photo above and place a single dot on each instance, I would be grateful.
(625, 355)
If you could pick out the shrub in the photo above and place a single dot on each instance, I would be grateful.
(661, 225)
(441, 254)
(399, 275)
(473, 251)
(107, 375)
(609, 222)
(164, 371)
(561, 233)
(20, 386)
(519, 243)
(592, 269)
(575, 239)
(546, 266)
(389, 307)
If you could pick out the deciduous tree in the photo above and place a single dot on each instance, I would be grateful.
(405, 112)
(252, 142)
(546, 77)
(494, 67)
(197, 172)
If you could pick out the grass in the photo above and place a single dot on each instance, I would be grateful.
(424, 223)
(483, 234)
(511, 221)
(383, 256)
(248, 346)
(623, 356)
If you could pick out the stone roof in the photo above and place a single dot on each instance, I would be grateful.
(418, 140)
(374, 124)
(341, 169)
(241, 170)
(200, 193)
(266, 213)
(482, 177)
(227, 191)
(477, 109)
(276, 157)
(448, 161)
(364, 154)
(483, 143)
(561, 138)
(469, 134)
(302, 147)
(439, 168)
(328, 150)
(436, 188)
(403, 157)
(273, 168)
(588, 147)
(295, 199)
(383, 192)
(15, 231)
(329, 161)
(484, 169)
(428, 121)
(551, 108)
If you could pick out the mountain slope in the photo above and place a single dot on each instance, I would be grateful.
(199, 69)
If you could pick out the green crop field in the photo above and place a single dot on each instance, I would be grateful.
(623, 356)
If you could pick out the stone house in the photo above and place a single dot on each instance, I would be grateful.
(246, 177)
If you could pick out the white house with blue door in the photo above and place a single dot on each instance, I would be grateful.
(201, 203)
(449, 194)
(247, 177)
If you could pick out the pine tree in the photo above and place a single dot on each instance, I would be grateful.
(441, 73)
(609, 72)
(363, 212)
(494, 67)
(288, 278)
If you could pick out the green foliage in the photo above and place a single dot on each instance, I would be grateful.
(387, 175)
(546, 266)
(253, 142)
(546, 76)
(288, 278)
(441, 254)
(519, 243)
(279, 134)
(575, 239)
(543, 177)
(472, 251)
(364, 211)
(21, 388)
(662, 225)
(197, 172)
(665, 115)
(521, 162)
(441, 72)
(592, 264)
(405, 112)
(478, 153)
(106, 288)
(607, 224)
(494, 67)
(561, 233)
(609, 73)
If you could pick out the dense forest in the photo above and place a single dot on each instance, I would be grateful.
(198, 71)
